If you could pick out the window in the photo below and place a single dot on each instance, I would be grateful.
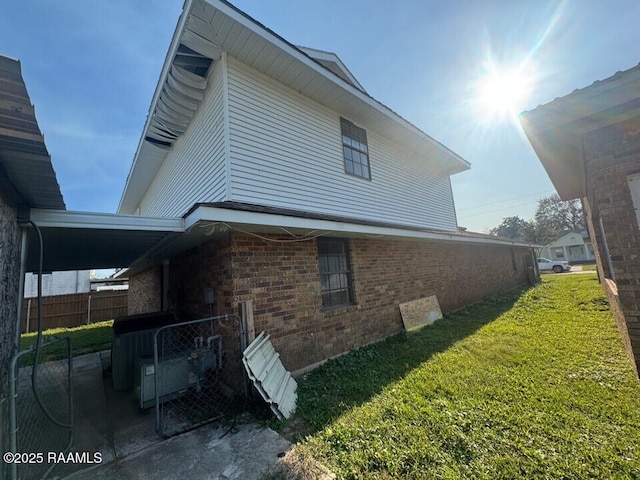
(335, 272)
(355, 150)
(559, 252)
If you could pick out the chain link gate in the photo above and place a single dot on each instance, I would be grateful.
(40, 407)
(196, 374)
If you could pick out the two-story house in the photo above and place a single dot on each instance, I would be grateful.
(299, 192)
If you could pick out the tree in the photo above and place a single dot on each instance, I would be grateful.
(553, 216)
(514, 227)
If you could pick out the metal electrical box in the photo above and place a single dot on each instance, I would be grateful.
(133, 338)
(188, 370)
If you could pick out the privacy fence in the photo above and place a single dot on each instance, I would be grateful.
(73, 310)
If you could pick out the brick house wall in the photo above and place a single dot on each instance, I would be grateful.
(283, 281)
(611, 154)
(9, 282)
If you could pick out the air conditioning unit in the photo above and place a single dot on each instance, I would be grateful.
(188, 370)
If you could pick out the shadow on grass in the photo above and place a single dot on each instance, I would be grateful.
(354, 378)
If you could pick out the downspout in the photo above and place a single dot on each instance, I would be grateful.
(23, 271)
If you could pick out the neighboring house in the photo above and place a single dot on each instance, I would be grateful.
(58, 283)
(300, 193)
(573, 247)
(27, 180)
(589, 143)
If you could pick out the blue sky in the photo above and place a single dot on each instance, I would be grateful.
(91, 68)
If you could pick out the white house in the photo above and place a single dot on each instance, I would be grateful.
(299, 192)
(572, 246)
(58, 283)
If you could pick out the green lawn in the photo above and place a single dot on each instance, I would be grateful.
(533, 384)
(85, 339)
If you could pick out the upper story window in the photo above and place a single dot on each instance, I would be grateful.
(355, 149)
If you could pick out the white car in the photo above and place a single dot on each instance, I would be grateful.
(558, 266)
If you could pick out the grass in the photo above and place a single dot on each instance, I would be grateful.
(591, 267)
(85, 339)
(533, 384)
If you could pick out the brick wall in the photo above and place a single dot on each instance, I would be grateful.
(283, 281)
(611, 154)
(207, 266)
(145, 291)
(9, 280)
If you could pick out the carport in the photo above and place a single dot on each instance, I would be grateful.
(31, 202)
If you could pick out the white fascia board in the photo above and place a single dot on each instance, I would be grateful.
(104, 221)
(204, 214)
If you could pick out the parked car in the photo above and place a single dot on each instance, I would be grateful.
(558, 266)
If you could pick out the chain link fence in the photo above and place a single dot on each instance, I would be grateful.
(40, 407)
(195, 375)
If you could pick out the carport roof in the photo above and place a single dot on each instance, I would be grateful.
(81, 240)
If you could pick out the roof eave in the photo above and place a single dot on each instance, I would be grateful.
(556, 129)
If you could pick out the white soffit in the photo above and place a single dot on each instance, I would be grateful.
(82, 241)
(271, 379)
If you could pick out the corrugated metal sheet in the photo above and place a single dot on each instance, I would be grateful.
(275, 384)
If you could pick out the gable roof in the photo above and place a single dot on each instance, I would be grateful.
(26, 173)
(331, 61)
(556, 129)
(206, 29)
(582, 235)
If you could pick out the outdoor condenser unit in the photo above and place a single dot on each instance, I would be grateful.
(178, 373)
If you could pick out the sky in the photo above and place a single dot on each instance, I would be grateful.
(460, 70)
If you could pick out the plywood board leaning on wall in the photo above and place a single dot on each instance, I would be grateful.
(420, 312)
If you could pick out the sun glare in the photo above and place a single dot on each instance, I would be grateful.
(502, 93)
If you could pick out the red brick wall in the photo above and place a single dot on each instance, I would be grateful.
(207, 266)
(9, 281)
(611, 154)
(283, 281)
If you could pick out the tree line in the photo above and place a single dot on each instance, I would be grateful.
(553, 217)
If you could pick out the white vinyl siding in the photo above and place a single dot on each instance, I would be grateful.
(194, 169)
(286, 151)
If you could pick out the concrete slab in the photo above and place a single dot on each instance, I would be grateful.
(111, 423)
(205, 453)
